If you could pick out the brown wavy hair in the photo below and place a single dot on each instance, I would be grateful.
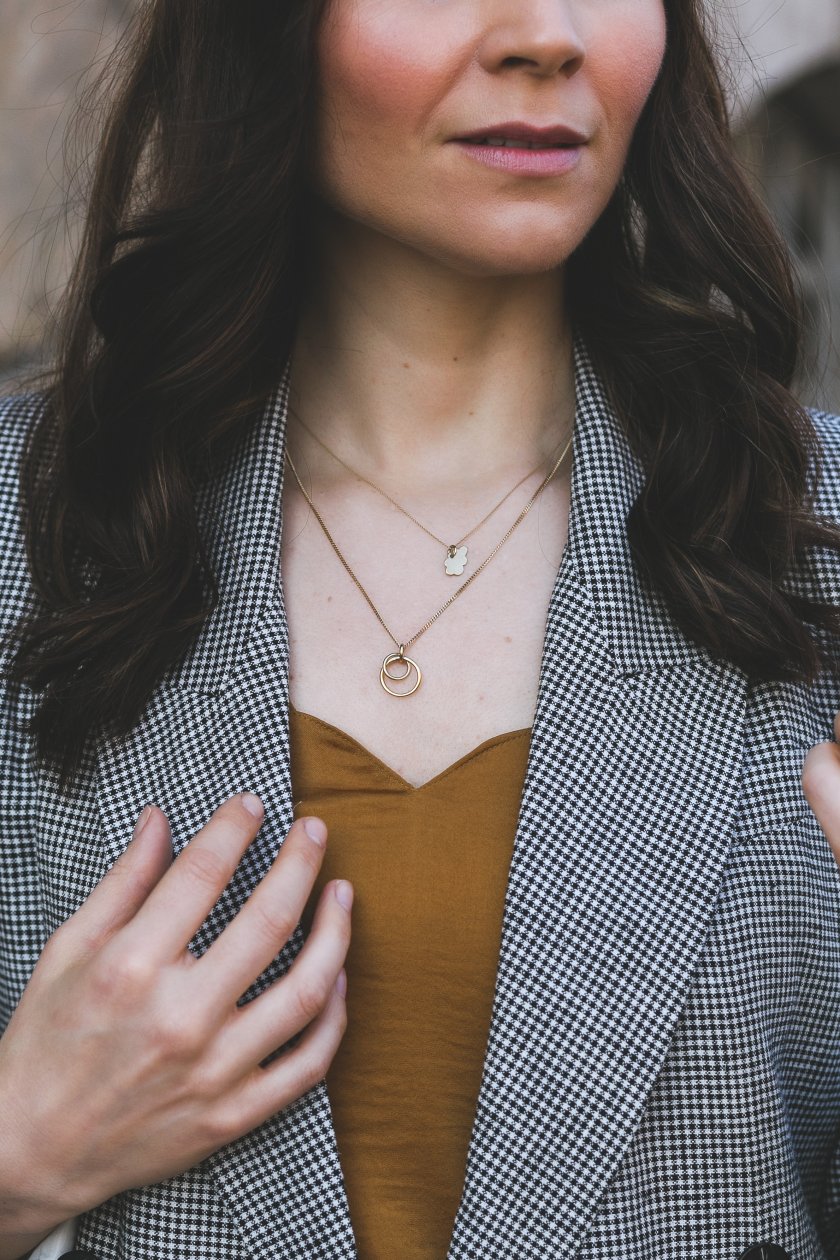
(184, 300)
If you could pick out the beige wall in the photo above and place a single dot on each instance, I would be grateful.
(44, 49)
(772, 43)
(785, 56)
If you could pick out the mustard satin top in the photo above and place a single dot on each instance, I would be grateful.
(429, 866)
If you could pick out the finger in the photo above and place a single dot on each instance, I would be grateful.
(267, 920)
(270, 1089)
(821, 785)
(124, 888)
(175, 910)
(268, 1022)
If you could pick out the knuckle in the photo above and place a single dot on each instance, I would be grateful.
(313, 1068)
(316, 1056)
(206, 867)
(275, 923)
(178, 1036)
(311, 993)
(53, 948)
(123, 975)
(337, 1023)
(209, 1082)
(218, 1127)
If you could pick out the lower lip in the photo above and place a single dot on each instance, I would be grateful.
(523, 161)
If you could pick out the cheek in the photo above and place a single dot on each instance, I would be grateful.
(380, 84)
(387, 79)
(627, 66)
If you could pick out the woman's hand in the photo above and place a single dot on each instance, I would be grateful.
(127, 1059)
(821, 785)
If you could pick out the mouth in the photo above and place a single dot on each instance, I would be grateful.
(518, 149)
(502, 142)
(520, 135)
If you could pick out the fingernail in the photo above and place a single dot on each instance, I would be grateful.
(316, 830)
(141, 821)
(341, 982)
(344, 894)
(253, 804)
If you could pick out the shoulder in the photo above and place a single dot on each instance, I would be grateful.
(827, 426)
(817, 576)
(19, 414)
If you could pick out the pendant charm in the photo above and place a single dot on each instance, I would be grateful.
(456, 560)
(385, 675)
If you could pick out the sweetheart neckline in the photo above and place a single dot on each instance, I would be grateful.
(484, 746)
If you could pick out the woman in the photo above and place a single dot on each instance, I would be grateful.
(392, 276)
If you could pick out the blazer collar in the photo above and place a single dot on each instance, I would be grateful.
(623, 831)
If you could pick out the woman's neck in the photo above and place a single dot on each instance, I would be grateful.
(413, 371)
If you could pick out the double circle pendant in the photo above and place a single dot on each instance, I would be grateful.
(385, 675)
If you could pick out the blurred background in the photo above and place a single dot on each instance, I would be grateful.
(782, 67)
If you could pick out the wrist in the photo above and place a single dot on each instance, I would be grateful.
(30, 1207)
(19, 1246)
(24, 1223)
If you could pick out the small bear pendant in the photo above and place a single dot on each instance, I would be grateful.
(456, 560)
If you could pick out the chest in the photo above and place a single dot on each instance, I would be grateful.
(480, 658)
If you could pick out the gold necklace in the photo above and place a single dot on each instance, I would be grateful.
(455, 560)
(399, 657)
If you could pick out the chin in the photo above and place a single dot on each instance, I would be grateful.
(503, 245)
(514, 256)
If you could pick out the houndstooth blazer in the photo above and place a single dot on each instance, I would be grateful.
(662, 1072)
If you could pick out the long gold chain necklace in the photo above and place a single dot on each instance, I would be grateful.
(398, 658)
(455, 560)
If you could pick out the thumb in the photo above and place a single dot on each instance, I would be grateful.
(123, 889)
(821, 785)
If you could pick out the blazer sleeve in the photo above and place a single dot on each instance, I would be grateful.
(823, 581)
(19, 935)
(820, 577)
(22, 930)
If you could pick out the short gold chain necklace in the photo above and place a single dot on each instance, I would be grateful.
(455, 560)
(399, 658)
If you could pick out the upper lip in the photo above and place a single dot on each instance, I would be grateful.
(524, 131)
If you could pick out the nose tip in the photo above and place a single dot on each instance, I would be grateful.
(545, 67)
(537, 36)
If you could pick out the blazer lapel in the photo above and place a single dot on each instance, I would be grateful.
(217, 725)
(623, 831)
(624, 828)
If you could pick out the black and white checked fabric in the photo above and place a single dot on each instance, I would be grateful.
(662, 1074)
